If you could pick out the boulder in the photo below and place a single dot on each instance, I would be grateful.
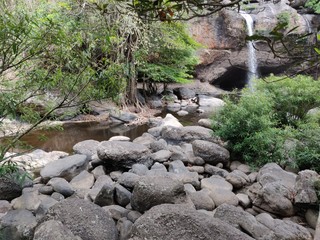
(202, 200)
(54, 230)
(9, 189)
(146, 139)
(86, 147)
(123, 154)
(122, 195)
(139, 169)
(84, 219)
(18, 225)
(161, 156)
(67, 167)
(5, 206)
(28, 200)
(178, 221)
(215, 104)
(184, 93)
(170, 120)
(182, 113)
(210, 152)
(60, 185)
(129, 179)
(240, 219)
(83, 180)
(125, 228)
(186, 134)
(116, 212)
(105, 196)
(238, 179)
(205, 122)
(153, 190)
(101, 181)
(305, 190)
(284, 229)
(212, 170)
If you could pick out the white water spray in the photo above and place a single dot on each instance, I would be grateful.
(252, 60)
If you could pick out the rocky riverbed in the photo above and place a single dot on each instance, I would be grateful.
(173, 182)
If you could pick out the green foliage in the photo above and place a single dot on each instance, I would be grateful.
(259, 123)
(314, 4)
(293, 97)
(284, 18)
(170, 56)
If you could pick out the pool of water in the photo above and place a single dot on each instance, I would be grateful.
(64, 140)
(72, 133)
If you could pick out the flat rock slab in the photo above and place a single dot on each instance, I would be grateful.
(187, 134)
(178, 221)
(66, 168)
(124, 154)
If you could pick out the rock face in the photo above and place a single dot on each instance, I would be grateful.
(84, 219)
(224, 59)
(67, 167)
(123, 154)
(306, 192)
(166, 222)
(150, 191)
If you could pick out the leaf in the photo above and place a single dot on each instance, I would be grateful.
(317, 50)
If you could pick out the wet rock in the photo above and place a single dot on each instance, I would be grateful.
(67, 167)
(124, 154)
(167, 221)
(211, 152)
(84, 219)
(150, 191)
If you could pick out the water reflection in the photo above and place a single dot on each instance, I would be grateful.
(76, 132)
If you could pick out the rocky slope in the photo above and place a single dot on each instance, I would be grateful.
(173, 182)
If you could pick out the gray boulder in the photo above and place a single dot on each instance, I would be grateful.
(153, 190)
(9, 189)
(66, 168)
(184, 93)
(105, 196)
(28, 200)
(202, 200)
(305, 190)
(244, 221)
(210, 152)
(83, 180)
(284, 229)
(124, 154)
(54, 230)
(84, 219)
(86, 147)
(178, 221)
(186, 134)
(61, 185)
(101, 181)
(18, 225)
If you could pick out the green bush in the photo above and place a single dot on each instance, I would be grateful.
(257, 125)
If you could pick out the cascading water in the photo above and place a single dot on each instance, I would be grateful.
(252, 60)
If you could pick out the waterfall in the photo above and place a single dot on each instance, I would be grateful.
(252, 60)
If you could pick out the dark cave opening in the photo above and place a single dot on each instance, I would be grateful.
(236, 76)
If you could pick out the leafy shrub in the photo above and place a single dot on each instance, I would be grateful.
(257, 126)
